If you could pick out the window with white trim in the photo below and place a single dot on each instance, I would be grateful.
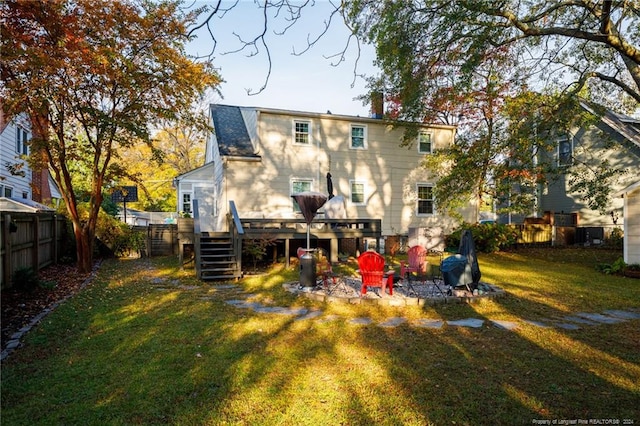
(298, 186)
(22, 139)
(186, 203)
(6, 191)
(301, 132)
(565, 152)
(426, 203)
(358, 136)
(357, 189)
(424, 143)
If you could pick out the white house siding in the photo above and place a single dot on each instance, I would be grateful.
(19, 186)
(632, 226)
(390, 173)
(590, 148)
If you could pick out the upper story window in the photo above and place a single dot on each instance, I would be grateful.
(301, 132)
(424, 143)
(298, 186)
(22, 139)
(358, 136)
(425, 199)
(6, 191)
(357, 192)
(565, 152)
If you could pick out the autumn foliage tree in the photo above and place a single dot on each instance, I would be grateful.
(95, 76)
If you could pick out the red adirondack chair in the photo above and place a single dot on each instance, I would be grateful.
(416, 262)
(373, 274)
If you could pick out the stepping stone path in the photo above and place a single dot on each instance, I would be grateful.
(568, 322)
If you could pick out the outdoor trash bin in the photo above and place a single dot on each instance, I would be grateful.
(308, 269)
(456, 271)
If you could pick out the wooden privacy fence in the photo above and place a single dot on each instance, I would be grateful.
(534, 234)
(162, 239)
(30, 240)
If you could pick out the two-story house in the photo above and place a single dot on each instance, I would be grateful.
(258, 157)
(15, 173)
(19, 184)
(613, 137)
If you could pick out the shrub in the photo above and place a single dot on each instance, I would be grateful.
(488, 237)
(256, 248)
(616, 267)
(25, 279)
(616, 238)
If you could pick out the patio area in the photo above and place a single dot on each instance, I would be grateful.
(405, 293)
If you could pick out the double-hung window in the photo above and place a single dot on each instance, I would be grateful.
(358, 136)
(565, 152)
(186, 203)
(22, 139)
(425, 199)
(298, 186)
(301, 132)
(357, 192)
(425, 145)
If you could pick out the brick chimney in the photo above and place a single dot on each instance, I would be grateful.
(377, 105)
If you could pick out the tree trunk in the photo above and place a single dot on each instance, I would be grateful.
(84, 248)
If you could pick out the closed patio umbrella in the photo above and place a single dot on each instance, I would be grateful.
(329, 186)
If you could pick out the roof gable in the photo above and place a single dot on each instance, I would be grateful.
(231, 131)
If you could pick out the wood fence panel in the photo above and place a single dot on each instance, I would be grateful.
(29, 240)
(534, 234)
(162, 239)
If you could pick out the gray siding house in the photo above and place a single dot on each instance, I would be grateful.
(615, 138)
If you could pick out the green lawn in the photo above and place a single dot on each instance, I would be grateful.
(146, 343)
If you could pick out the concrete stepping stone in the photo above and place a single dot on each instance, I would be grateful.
(243, 304)
(599, 318)
(579, 320)
(623, 314)
(328, 318)
(310, 315)
(428, 323)
(568, 326)
(537, 323)
(361, 321)
(467, 322)
(393, 322)
(506, 325)
(281, 310)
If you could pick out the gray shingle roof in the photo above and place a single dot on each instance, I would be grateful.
(231, 132)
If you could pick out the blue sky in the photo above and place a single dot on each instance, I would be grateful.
(306, 83)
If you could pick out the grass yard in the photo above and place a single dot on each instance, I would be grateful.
(146, 343)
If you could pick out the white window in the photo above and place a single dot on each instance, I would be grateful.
(358, 136)
(425, 199)
(301, 132)
(6, 191)
(186, 203)
(357, 192)
(424, 143)
(565, 152)
(298, 186)
(22, 139)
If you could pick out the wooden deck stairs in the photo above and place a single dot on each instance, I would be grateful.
(217, 258)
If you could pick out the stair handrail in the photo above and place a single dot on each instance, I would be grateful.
(236, 230)
(196, 237)
(237, 223)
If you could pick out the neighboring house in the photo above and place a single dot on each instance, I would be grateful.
(631, 196)
(17, 180)
(615, 138)
(15, 173)
(259, 157)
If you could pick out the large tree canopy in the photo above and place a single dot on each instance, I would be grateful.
(562, 44)
(95, 76)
